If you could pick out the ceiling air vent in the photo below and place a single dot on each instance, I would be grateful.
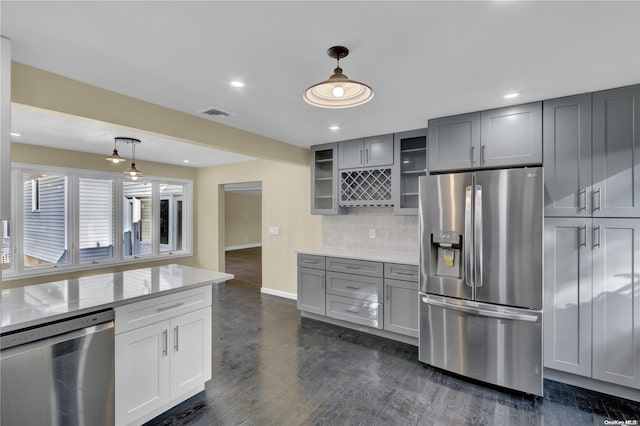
(216, 113)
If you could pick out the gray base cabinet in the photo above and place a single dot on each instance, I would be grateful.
(380, 296)
(311, 289)
(592, 298)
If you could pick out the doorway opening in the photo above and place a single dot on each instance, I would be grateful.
(243, 233)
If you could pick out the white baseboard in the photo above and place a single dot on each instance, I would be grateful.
(243, 246)
(279, 293)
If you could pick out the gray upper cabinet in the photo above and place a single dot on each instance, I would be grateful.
(454, 142)
(368, 152)
(616, 152)
(511, 136)
(502, 137)
(567, 156)
(616, 301)
(567, 295)
(411, 163)
(324, 179)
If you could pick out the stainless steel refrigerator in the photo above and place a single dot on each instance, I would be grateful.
(481, 275)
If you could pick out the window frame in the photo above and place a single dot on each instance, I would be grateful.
(72, 223)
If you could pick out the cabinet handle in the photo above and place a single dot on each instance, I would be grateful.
(352, 267)
(366, 155)
(596, 206)
(582, 199)
(175, 339)
(353, 287)
(388, 293)
(166, 308)
(353, 310)
(164, 342)
(473, 154)
(582, 236)
(596, 236)
(410, 274)
(482, 155)
(360, 156)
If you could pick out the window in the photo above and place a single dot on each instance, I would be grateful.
(67, 219)
(44, 230)
(137, 218)
(96, 219)
(171, 217)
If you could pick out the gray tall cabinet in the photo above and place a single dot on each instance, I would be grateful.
(592, 226)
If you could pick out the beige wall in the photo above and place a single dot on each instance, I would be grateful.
(242, 218)
(285, 203)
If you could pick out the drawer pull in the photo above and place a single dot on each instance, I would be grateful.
(352, 267)
(353, 287)
(309, 261)
(413, 274)
(354, 310)
(166, 308)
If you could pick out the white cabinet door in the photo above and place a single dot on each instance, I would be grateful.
(190, 351)
(142, 362)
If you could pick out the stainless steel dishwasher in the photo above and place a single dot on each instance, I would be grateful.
(60, 374)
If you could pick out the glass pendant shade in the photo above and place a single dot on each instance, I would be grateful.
(338, 91)
(132, 172)
(114, 157)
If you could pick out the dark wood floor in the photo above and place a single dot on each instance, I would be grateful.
(270, 367)
(246, 265)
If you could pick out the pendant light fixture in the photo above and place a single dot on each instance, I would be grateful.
(131, 172)
(338, 91)
(114, 157)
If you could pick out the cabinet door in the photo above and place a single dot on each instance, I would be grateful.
(616, 152)
(567, 295)
(410, 163)
(142, 365)
(567, 156)
(190, 351)
(311, 293)
(324, 179)
(401, 304)
(616, 301)
(351, 154)
(454, 142)
(378, 151)
(511, 136)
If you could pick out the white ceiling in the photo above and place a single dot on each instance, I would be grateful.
(423, 59)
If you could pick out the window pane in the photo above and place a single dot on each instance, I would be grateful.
(171, 217)
(6, 246)
(45, 220)
(137, 215)
(96, 219)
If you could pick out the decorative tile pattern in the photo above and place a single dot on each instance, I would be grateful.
(395, 233)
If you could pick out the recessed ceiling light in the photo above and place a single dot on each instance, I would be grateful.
(237, 83)
(511, 95)
(185, 161)
(334, 128)
(14, 134)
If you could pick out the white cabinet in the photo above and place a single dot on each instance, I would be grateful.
(161, 364)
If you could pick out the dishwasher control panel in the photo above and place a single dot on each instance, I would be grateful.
(44, 331)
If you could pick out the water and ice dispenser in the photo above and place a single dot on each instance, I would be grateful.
(446, 254)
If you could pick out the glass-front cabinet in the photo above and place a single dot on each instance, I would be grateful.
(324, 179)
(411, 163)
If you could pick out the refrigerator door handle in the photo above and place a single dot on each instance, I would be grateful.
(468, 237)
(477, 237)
(479, 311)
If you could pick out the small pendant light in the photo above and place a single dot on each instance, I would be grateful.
(132, 172)
(114, 157)
(338, 91)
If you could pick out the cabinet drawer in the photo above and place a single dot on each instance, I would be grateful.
(140, 314)
(350, 266)
(311, 261)
(401, 272)
(353, 310)
(356, 286)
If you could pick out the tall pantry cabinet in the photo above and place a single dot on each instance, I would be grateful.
(592, 235)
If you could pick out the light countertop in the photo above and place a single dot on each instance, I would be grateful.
(38, 304)
(363, 254)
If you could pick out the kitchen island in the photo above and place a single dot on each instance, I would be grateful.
(160, 346)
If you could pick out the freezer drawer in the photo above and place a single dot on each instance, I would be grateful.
(486, 342)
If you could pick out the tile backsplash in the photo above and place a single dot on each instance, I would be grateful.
(397, 233)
